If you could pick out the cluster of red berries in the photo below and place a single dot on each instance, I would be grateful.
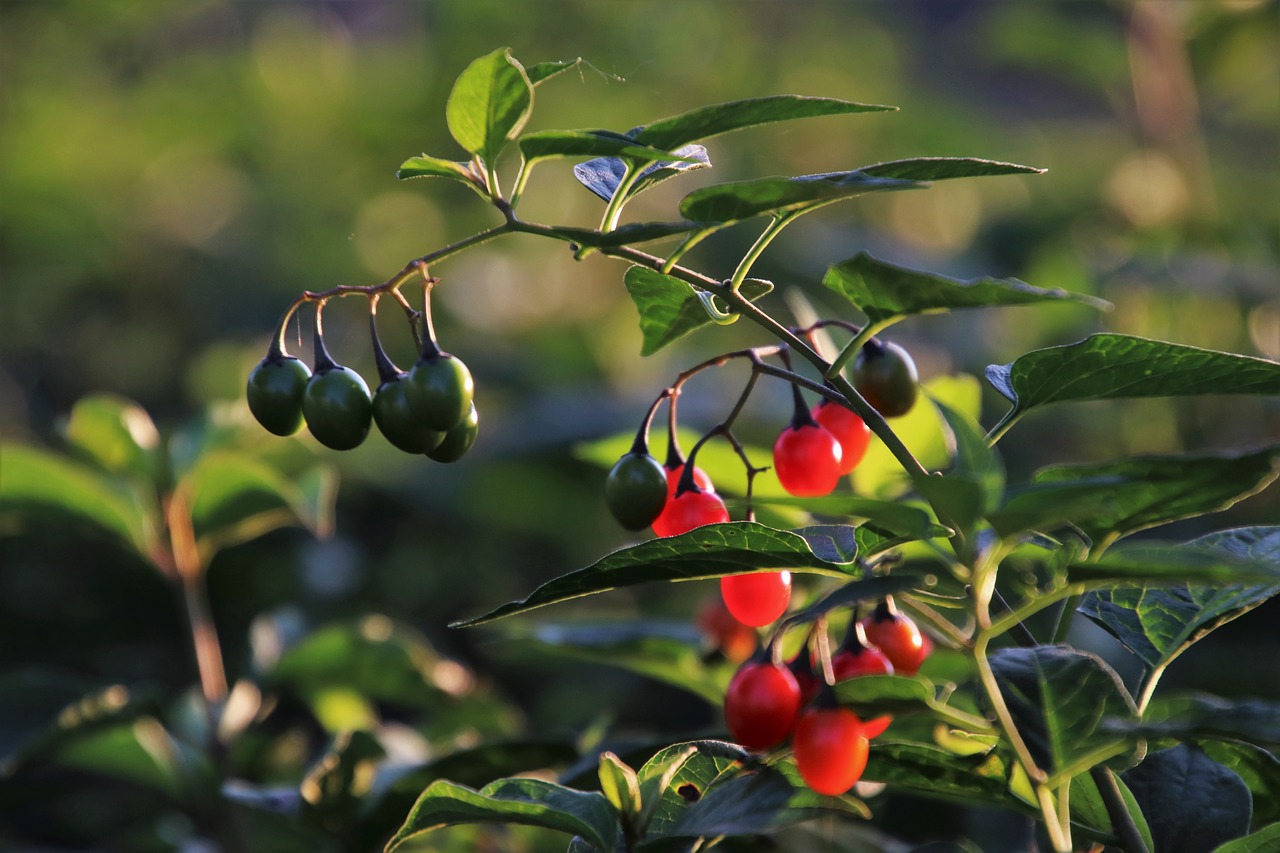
(429, 409)
(768, 701)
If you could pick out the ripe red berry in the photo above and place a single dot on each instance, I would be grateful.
(807, 460)
(756, 599)
(761, 705)
(691, 509)
(898, 637)
(830, 746)
(849, 429)
(851, 663)
(662, 524)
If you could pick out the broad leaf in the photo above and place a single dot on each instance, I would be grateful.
(886, 292)
(891, 516)
(603, 175)
(1108, 366)
(630, 234)
(706, 552)
(490, 103)
(900, 695)
(116, 433)
(1196, 716)
(670, 308)
(1260, 770)
(619, 785)
(678, 776)
(1265, 840)
(1158, 624)
(1058, 697)
(1087, 805)
(982, 778)
(1191, 802)
(37, 480)
(943, 168)
(723, 203)
(525, 801)
(1115, 499)
(1165, 564)
(142, 752)
(706, 122)
(434, 167)
(975, 483)
(590, 143)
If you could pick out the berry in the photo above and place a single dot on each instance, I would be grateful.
(849, 429)
(275, 390)
(337, 407)
(458, 440)
(636, 490)
(851, 663)
(756, 599)
(691, 509)
(885, 375)
(662, 524)
(807, 460)
(396, 420)
(830, 746)
(898, 637)
(730, 637)
(440, 390)
(761, 705)
(810, 681)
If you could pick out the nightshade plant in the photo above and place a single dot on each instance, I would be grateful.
(1012, 716)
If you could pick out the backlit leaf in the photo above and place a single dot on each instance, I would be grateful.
(490, 103)
(670, 308)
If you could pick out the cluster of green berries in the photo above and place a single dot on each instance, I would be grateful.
(429, 409)
(768, 701)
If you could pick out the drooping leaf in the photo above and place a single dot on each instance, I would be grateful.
(982, 778)
(943, 168)
(715, 119)
(732, 202)
(36, 480)
(885, 292)
(1058, 697)
(1260, 770)
(116, 433)
(892, 516)
(901, 695)
(1115, 499)
(670, 308)
(591, 143)
(435, 167)
(1109, 366)
(630, 234)
(1191, 802)
(975, 483)
(532, 802)
(1199, 716)
(490, 103)
(1162, 563)
(705, 552)
(603, 175)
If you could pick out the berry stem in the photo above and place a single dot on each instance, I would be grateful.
(387, 370)
(430, 346)
(323, 361)
(640, 446)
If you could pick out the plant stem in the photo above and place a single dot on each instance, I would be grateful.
(851, 349)
(757, 248)
(1122, 823)
(613, 211)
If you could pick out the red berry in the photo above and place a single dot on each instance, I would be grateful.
(807, 460)
(898, 637)
(810, 681)
(830, 746)
(688, 510)
(849, 429)
(662, 524)
(851, 663)
(756, 599)
(761, 705)
(731, 638)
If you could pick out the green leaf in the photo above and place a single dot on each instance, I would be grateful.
(1196, 716)
(532, 802)
(69, 713)
(706, 122)
(1166, 564)
(1115, 499)
(1260, 770)
(116, 433)
(541, 72)
(849, 594)
(975, 483)
(1087, 805)
(677, 777)
(886, 292)
(37, 480)
(901, 695)
(724, 203)
(898, 518)
(1108, 367)
(670, 308)
(1265, 840)
(1158, 624)
(603, 175)
(489, 105)
(141, 752)
(591, 143)
(983, 778)
(435, 167)
(632, 233)
(1191, 802)
(1058, 697)
(619, 784)
(943, 168)
(338, 784)
(235, 497)
(711, 551)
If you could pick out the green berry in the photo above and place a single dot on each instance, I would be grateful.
(441, 390)
(458, 440)
(396, 420)
(636, 490)
(337, 408)
(885, 375)
(274, 392)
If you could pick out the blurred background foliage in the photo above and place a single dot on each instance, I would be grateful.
(172, 174)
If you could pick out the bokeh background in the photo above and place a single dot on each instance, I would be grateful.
(173, 174)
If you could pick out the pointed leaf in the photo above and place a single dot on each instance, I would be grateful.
(744, 199)
(1108, 367)
(900, 695)
(490, 103)
(1115, 499)
(886, 292)
(434, 167)
(116, 433)
(891, 516)
(706, 552)
(678, 776)
(1166, 564)
(541, 72)
(1265, 840)
(532, 802)
(1191, 802)
(37, 480)
(1058, 697)
(619, 784)
(1088, 807)
(706, 122)
(867, 589)
(1195, 716)
(604, 174)
(1260, 770)
(670, 308)
(983, 778)
(630, 234)
(975, 483)
(591, 143)
(943, 168)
